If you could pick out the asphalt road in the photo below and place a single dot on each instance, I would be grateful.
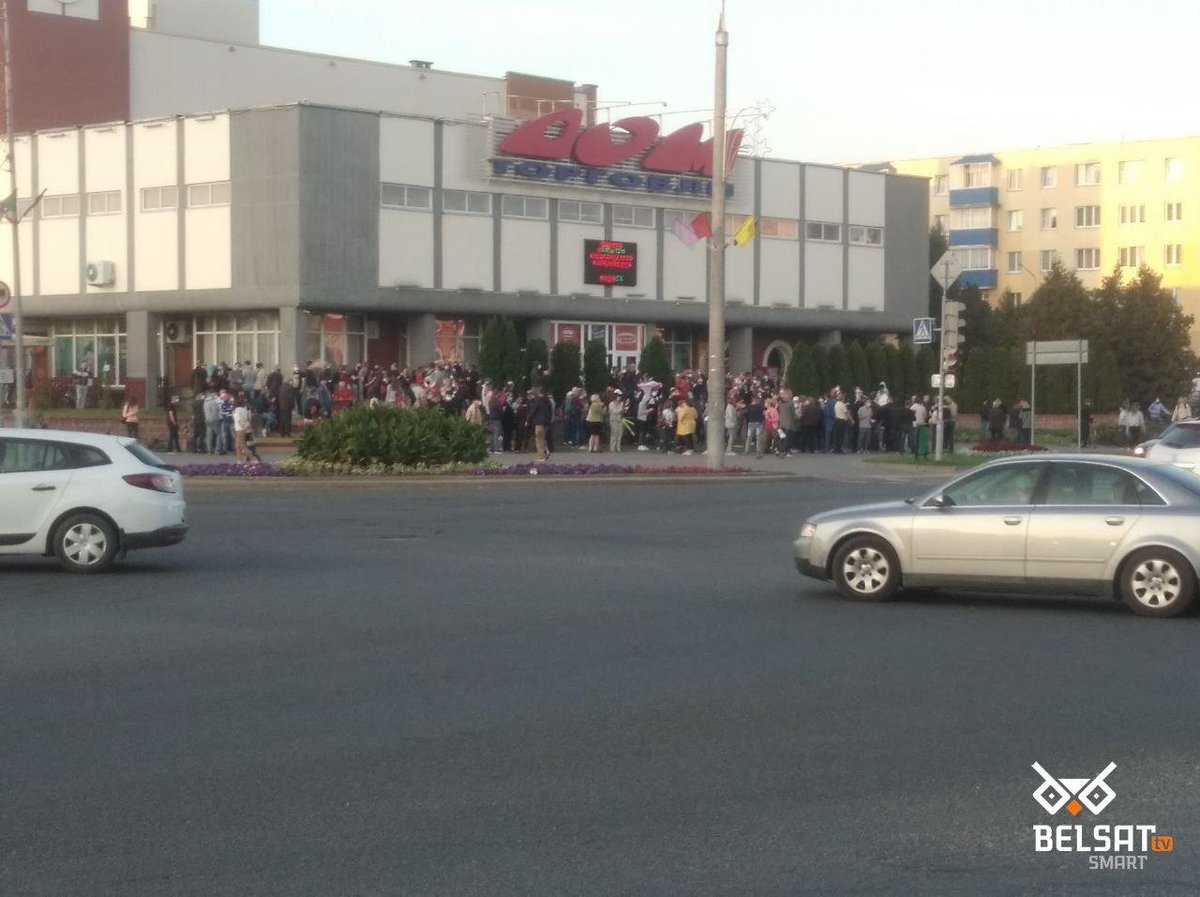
(563, 688)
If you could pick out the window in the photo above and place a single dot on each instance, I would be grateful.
(1047, 259)
(106, 203)
(634, 216)
(524, 207)
(215, 194)
(101, 342)
(1017, 298)
(1096, 484)
(1087, 174)
(1087, 259)
(467, 202)
(975, 258)
(1049, 219)
(1016, 178)
(1173, 169)
(335, 339)
(1010, 484)
(970, 218)
(1130, 172)
(939, 221)
(243, 337)
(865, 236)
(1087, 216)
(941, 184)
(28, 455)
(1175, 295)
(823, 231)
(1173, 212)
(584, 212)
(66, 206)
(456, 340)
(1173, 255)
(977, 174)
(405, 196)
(1014, 263)
(1132, 256)
(158, 199)
(1016, 220)
(1049, 177)
(1133, 214)
(780, 228)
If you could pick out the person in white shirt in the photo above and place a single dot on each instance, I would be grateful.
(241, 429)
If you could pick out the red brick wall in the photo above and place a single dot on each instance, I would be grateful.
(69, 71)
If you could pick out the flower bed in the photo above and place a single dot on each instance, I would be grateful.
(298, 468)
(227, 469)
(588, 470)
(998, 446)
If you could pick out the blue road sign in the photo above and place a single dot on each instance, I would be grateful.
(922, 331)
(6, 326)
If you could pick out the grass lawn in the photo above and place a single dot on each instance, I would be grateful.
(907, 460)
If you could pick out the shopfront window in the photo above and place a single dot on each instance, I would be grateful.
(679, 347)
(335, 340)
(101, 342)
(457, 340)
(233, 338)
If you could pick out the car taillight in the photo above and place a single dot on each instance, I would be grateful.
(155, 482)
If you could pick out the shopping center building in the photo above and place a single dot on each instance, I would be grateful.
(329, 231)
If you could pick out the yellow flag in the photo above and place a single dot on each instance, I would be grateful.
(745, 233)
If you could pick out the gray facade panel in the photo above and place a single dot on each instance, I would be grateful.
(265, 215)
(339, 200)
(906, 240)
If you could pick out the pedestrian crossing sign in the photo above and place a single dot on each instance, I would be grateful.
(922, 331)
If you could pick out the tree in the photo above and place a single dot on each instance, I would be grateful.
(838, 369)
(895, 372)
(801, 372)
(564, 369)
(655, 360)
(1005, 378)
(595, 366)
(1102, 380)
(500, 351)
(820, 359)
(938, 244)
(927, 364)
(974, 385)
(856, 360)
(876, 364)
(535, 353)
(1153, 349)
(913, 383)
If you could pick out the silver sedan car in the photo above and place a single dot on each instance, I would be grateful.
(1090, 524)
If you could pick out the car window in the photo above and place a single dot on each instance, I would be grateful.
(88, 456)
(1096, 484)
(1010, 484)
(1181, 436)
(25, 455)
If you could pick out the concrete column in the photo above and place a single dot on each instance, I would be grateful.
(291, 338)
(741, 349)
(142, 358)
(422, 339)
(830, 338)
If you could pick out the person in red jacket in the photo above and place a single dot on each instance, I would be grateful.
(343, 395)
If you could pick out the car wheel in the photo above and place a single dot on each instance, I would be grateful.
(865, 568)
(85, 543)
(1157, 582)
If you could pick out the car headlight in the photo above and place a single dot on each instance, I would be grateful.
(1140, 451)
(808, 531)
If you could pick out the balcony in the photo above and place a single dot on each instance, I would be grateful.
(975, 236)
(966, 197)
(984, 278)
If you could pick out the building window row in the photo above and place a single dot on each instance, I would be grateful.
(161, 199)
(780, 228)
(1173, 255)
(969, 218)
(524, 207)
(405, 196)
(1087, 259)
(583, 212)
(101, 342)
(1087, 216)
(634, 216)
(1131, 256)
(1133, 214)
(107, 202)
(975, 258)
(1049, 219)
(862, 235)
(823, 231)
(467, 202)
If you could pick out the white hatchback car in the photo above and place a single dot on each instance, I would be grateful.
(84, 498)
(1179, 444)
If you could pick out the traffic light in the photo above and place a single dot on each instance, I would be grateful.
(953, 324)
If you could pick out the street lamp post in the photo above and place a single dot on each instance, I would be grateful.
(715, 427)
(12, 216)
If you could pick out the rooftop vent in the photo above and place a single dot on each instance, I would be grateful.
(420, 63)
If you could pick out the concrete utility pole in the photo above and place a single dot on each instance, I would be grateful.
(715, 430)
(13, 217)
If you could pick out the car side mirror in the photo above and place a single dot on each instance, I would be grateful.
(941, 501)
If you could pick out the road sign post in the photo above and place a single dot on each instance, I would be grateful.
(1063, 351)
(923, 331)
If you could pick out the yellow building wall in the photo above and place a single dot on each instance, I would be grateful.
(1152, 189)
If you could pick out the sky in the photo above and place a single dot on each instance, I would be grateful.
(847, 82)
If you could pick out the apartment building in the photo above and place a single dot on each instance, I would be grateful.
(1009, 215)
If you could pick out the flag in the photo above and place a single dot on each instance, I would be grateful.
(745, 233)
(686, 235)
(701, 226)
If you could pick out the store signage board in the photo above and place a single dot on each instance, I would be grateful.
(627, 155)
(609, 263)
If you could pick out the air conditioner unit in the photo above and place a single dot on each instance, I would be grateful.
(178, 333)
(101, 274)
